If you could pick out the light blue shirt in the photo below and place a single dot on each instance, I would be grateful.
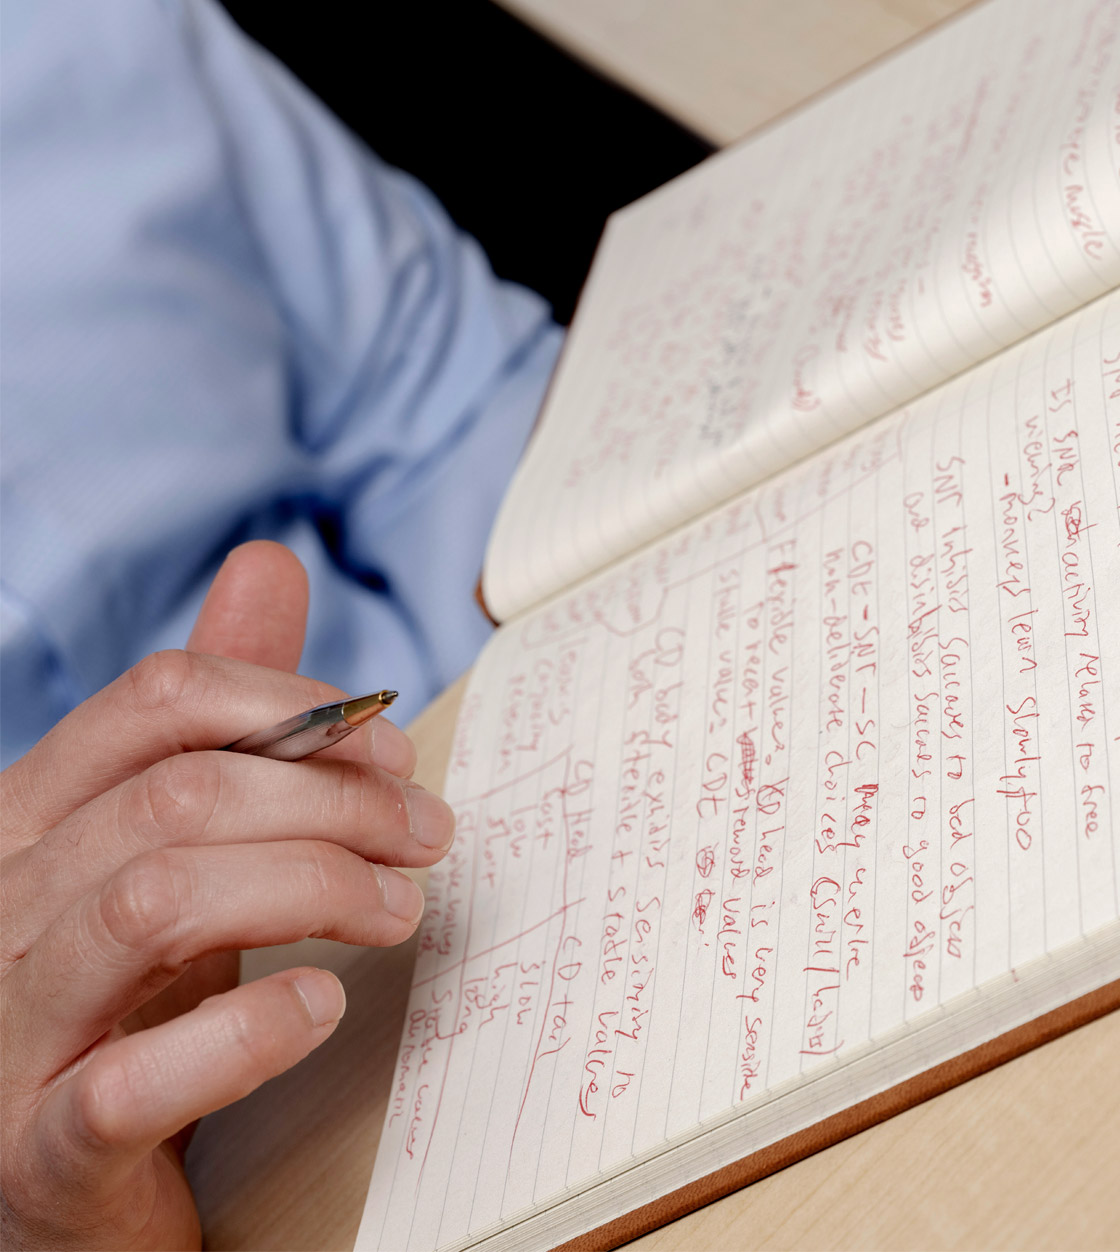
(224, 319)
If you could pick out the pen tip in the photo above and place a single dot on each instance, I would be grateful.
(364, 707)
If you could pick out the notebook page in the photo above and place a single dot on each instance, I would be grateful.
(951, 200)
(793, 777)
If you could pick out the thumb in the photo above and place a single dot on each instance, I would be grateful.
(256, 608)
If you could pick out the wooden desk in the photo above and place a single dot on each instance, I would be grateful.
(724, 67)
(1027, 1156)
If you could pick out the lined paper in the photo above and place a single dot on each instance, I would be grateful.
(951, 200)
(804, 774)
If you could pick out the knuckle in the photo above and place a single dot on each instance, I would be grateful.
(325, 866)
(143, 900)
(325, 861)
(245, 1038)
(178, 796)
(100, 1106)
(162, 681)
(351, 795)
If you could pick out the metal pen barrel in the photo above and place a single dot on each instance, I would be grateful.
(314, 729)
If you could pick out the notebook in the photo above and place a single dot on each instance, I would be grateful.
(787, 791)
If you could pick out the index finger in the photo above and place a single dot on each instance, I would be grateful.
(171, 702)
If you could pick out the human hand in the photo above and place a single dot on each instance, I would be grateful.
(136, 863)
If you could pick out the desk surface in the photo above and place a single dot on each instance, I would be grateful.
(724, 67)
(1027, 1156)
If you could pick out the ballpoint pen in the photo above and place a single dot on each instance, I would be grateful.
(316, 728)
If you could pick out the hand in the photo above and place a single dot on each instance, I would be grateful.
(136, 862)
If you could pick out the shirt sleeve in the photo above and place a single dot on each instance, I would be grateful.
(225, 319)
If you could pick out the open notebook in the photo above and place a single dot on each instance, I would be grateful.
(788, 791)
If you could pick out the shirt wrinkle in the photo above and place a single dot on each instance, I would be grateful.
(207, 340)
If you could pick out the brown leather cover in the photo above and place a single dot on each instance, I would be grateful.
(850, 1122)
(480, 600)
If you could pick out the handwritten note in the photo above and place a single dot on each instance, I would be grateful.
(953, 199)
(798, 777)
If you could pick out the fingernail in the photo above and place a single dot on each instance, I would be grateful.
(322, 996)
(430, 819)
(390, 748)
(401, 896)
